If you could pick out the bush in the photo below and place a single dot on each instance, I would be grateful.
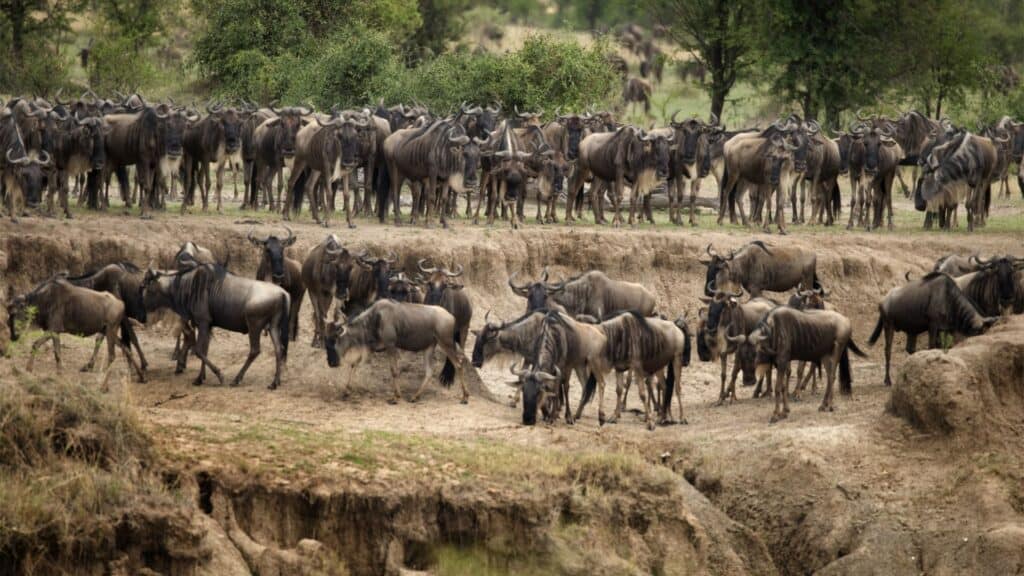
(344, 71)
(39, 73)
(116, 65)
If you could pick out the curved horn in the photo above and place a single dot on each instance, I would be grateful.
(521, 289)
(517, 371)
(329, 124)
(460, 140)
(740, 339)
(392, 258)
(544, 275)
(291, 237)
(676, 113)
(419, 263)
(22, 160)
(455, 274)
(548, 376)
(252, 238)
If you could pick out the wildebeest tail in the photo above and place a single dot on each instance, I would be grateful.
(126, 331)
(382, 184)
(299, 190)
(670, 387)
(588, 389)
(878, 328)
(853, 346)
(687, 350)
(284, 326)
(845, 377)
(448, 372)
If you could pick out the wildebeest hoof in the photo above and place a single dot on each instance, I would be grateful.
(824, 408)
(86, 368)
(414, 399)
(351, 226)
(464, 401)
(392, 401)
(197, 382)
(235, 382)
(682, 421)
(650, 425)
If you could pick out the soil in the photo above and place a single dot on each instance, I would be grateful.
(923, 478)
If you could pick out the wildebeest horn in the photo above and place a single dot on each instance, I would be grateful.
(740, 339)
(863, 118)
(813, 127)
(674, 114)
(252, 238)
(460, 140)
(736, 294)
(522, 289)
(487, 316)
(714, 120)
(710, 252)
(23, 160)
(419, 264)
(335, 251)
(291, 237)
(544, 275)
(455, 274)
(547, 376)
(517, 371)
(482, 141)
(977, 261)
(330, 123)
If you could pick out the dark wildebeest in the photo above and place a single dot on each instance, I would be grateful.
(726, 318)
(189, 255)
(320, 272)
(808, 300)
(766, 161)
(123, 280)
(256, 117)
(551, 169)
(63, 308)
(429, 156)
(592, 293)
(687, 158)
(823, 174)
(882, 155)
(443, 290)
(517, 337)
(24, 176)
(993, 287)
(362, 283)
(955, 265)
(151, 140)
(274, 146)
(216, 139)
(388, 326)
(208, 296)
(931, 304)
(275, 266)
(636, 91)
(913, 131)
(756, 267)
(324, 153)
(817, 336)
(78, 149)
(401, 288)
(967, 159)
(613, 159)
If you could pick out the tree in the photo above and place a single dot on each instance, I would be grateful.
(30, 32)
(136, 20)
(717, 32)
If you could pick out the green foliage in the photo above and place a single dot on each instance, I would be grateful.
(544, 74)
(30, 33)
(134, 21)
(441, 25)
(115, 65)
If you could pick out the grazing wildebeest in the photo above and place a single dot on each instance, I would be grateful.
(627, 155)
(274, 147)
(968, 159)
(388, 326)
(320, 273)
(757, 267)
(993, 287)
(591, 293)
(208, 296)
(151, 140)
(955, 265)
(324, 153)
(215, 139)
(429, 157)
(932, 304)
(687, 157)
(817, 336)
(63, 308)
(443, 290)
(275, 266)
(123, 280)
(78, 149)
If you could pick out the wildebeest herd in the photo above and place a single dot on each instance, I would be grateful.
(295, 155)
(590, 326)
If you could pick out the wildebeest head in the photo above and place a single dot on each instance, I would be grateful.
(719, 273)
(401, 288)
(935, 176)
(1004, 270)
(486, 345)
(471, 153)
(684, 326)
(87, 137)
(813, 299)
(345, 343)
(850, 150)
(273, 252)
(229, 122)
(552, 166)
(691, 135)
(28, 173)
(873, 138)
(657, 149)
(438, 280)
(171, 126)
(717, 320)
(290, 121)
(347, 130)
(779, 154)
(536, 385)
(761, 339)
(536, 293)
(379, 269)
(17, 314)
(575, 128)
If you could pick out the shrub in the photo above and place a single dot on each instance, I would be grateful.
(116, 65)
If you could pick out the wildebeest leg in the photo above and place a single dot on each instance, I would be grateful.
(95, 352)
(563, 390)
(911, 343)
(799, 387)
(830, 375)
(724, 361)
(731, 395)
(35, 348)
(201, 347)
(781, 389)
(644, 388)
(619, 389)
(254, 351)
(220, 182)
(428, 373)
(933, 338)
(780, 211)
(348, 207)
(854, 193)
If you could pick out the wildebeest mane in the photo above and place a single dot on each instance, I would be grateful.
(190, 292)
(630, 337)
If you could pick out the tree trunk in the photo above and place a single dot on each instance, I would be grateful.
(718, 94)
(17, 14)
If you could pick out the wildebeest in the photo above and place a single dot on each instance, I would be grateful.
(364, 281)
(913, 130)
(215, 139)
(993, 287)
(256, 117)
(822, 173)
(627, 155)
(428, 157)
(687, 157)
(931, 304)
(388, 326)
(882, 155)
(969, 159)
(324, 153)
(955, 265)
(274, 148)
(320, 271)
(762, 160)
(23, 177)
(401, 288)
(78, 148)
(757, 267)
(123, 280)
(726, 318)
(63, 308)
(818, 336)
(443, 290)
(591, 293)
(637, 90)
(208, 296)
(152, 141)
(275, 266)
